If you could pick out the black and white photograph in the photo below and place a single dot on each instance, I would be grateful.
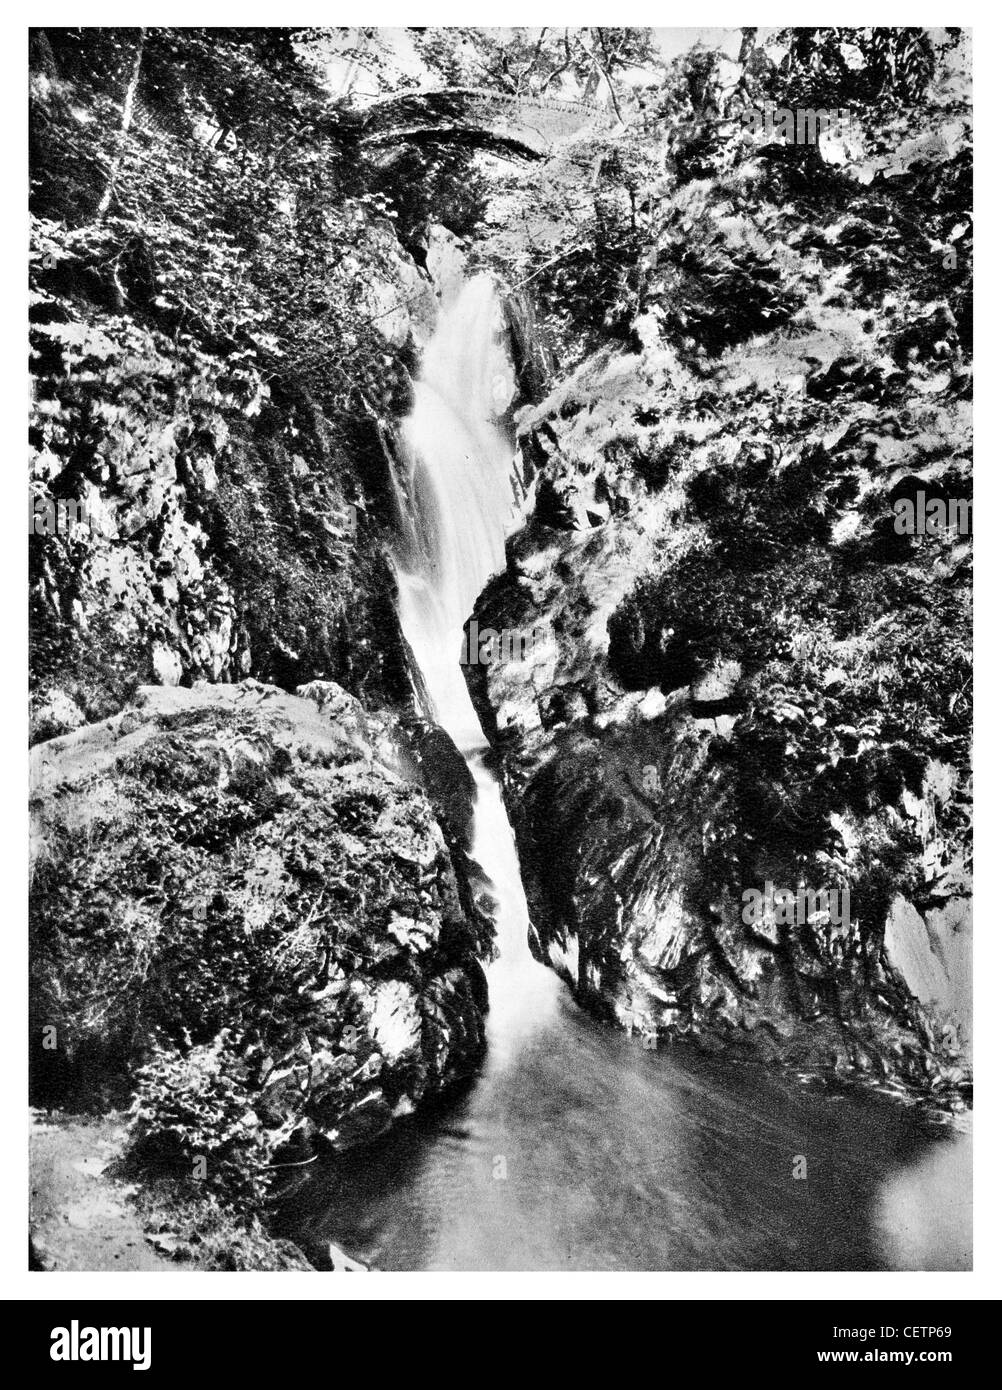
(500, 528)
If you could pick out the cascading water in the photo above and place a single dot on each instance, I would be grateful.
(575, 1148)
(462, 500)
(465, 497)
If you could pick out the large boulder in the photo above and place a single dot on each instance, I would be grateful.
(253, 879)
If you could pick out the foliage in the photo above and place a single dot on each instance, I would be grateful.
(219, 903)
(555, 62)
(687, 215)
(194, 1105)
(196, 1226)
(210, 282)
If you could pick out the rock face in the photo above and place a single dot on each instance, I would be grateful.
(254, 880)
(224, 528)
(669, 746)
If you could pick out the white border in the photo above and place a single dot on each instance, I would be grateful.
(15, 1281)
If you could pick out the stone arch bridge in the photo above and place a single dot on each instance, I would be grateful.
(504, 123)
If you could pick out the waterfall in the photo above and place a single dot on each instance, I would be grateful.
(575, 1147)
(463, 503)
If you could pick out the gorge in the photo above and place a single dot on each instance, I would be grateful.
(490, 586)
(575, 1148)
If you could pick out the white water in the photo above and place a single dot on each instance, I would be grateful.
(574, 1148)
(465, 501)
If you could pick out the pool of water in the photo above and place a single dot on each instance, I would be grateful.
(577, 1149)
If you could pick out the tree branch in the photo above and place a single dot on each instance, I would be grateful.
(127, 109)
(604, 69)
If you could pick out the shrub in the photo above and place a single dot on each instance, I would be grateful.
(196, 1104)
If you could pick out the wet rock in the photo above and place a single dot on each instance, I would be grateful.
(445, 777)
(362, 1122)
(625, 801)
(932, 953)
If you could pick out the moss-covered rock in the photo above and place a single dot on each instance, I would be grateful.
(748, 674)
(244, 912)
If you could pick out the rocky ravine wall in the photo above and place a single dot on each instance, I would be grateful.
(619, 796)
(231, 529)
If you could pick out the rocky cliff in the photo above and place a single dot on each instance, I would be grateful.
(737, 747)
(743, 681)
(228, 526)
